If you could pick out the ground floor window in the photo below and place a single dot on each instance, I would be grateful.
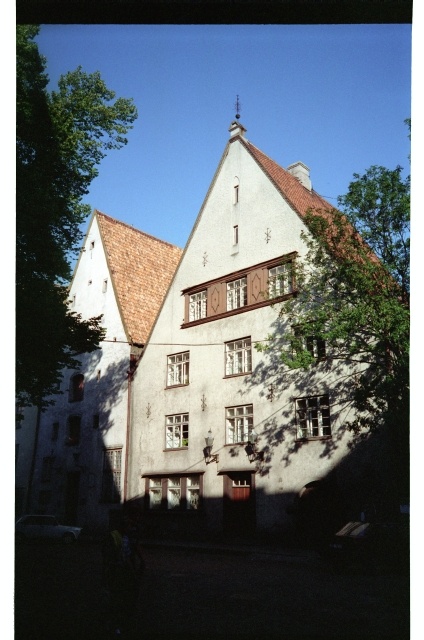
(174, 492)
(111, 480)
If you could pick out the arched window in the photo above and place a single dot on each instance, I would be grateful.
(76, 391)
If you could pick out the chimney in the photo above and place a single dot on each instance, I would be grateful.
(301, 172)
(236, 129)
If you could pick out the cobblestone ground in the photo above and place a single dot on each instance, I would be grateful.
(192, 594)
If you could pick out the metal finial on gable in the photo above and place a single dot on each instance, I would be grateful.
(237, 107)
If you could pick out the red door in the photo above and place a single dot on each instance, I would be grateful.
(239, 506)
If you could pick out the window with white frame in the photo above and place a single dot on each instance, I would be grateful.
(280, 280)
(238, 357)
(315, 346)
(178, 369)
(197, 305)
(176, 431)
(239, 423)
(111, 480)
(174, 493)
(155, 493)
(236, 294)
(313, 417)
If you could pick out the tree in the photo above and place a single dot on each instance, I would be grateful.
(61, 137)
(353, 296)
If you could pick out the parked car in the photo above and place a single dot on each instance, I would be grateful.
(371, 546)
(37, 527)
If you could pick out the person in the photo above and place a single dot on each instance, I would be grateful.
(123, 565)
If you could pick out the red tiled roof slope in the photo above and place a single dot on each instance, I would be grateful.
(299, 197)
(141, 268)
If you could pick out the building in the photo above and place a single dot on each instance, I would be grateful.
(81, 442)
(224, 439)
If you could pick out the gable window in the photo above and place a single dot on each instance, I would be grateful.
(239, 423)
(76, 391)
(240, 291)
(176, 435)
(197, 305)
(238, 357)
(74, 430)
(313, 417)
(236, 293)
(178, 369)
(174, 493)
(111, 478)
(280, 280)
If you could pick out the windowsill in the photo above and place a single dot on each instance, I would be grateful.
(177, 386)
(176, 449)
(309, 438)
(237, 375)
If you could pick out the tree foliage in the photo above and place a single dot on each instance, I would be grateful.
(61, 138)
(353, 293)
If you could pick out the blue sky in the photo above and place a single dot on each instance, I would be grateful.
(333, 96)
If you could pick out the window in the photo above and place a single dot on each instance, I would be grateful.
(92, 245)
(104, 286)
(238, 357)
(240, 291)
(197, 305)
(111, 481)
(280, 280)
(74, 430)
(55, 430)
(178, 369)
(236, 293)
(235, 234)
(174, 493)
(176, 431)
(47, 469)
(76, 391)
(313, 417)
(239, 423)
(316, 347)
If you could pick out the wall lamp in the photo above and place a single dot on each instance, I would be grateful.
(207, 451)
(251, 449)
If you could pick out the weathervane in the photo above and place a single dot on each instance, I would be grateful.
(237, 107)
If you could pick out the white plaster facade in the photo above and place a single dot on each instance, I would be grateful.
(72, 488)
(268, 228)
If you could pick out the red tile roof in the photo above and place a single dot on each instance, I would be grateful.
(299, 197)
(141, 268)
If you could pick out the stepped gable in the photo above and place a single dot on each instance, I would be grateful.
(141, 268)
